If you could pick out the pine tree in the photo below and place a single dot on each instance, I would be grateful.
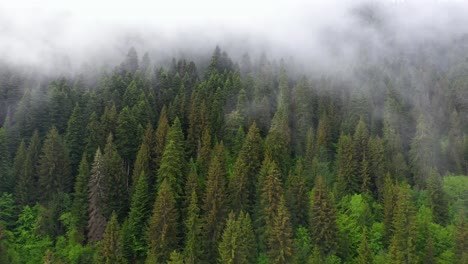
(280, 241)
(111, 246)
(80, 199)
(96, 220)
(365, 255)
(54, 166)
(214, 203)
(162, 229)
(402, 247)
(74, 137)
(133, 233)
(323, 227)
(437, 198)
(192, 249)
(246, 168)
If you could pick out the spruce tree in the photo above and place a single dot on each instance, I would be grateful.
(437, 198)
(6, 175)
(237, 244)
(402, 247)
(280, 240)
(346, 166)
(461, 238)
(214, 203)
(127, 137)
(192, 249)
(80, 199)
(108, 120)
(74, 137)
(111, 247)
(133, 234)
(297, 195)
(94, 137)
(323, 227)
(162, 226)
(96, 219)
(115, 181)
(242, 184)
(143, 159)
(365, 255)
(54, 166)
(23, 171)
(160, 137)
(389, 201)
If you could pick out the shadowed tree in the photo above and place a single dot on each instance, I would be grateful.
(96, 220)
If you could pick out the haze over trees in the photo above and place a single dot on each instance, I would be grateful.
(219, 160)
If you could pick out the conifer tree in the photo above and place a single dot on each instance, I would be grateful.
(108, 120)
(461, 241)
(437, 198)
(143, 159)
(74, 137)
(96, 220)
(23, 171)
(175, 258)
(377, 166)
(192, 249)
(346, 165)
(270, 195)
(365, 255)
(111, 246)
(389, 200)
(323, 227)
(237, 244)
(162, 229)
(422, 152)
(133, 234)
(246, 168)
(280, 242)
(160, 137)
(94, 136)
(54, 166)
(6, 179)
(277, 142)
(402, 247)
(80, 199)
(214, 203)
(127, 137)
(115, 181)
(297, 196)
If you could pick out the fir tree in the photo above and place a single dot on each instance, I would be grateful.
(23, 171)
(437, 198)
(6, 179)
(160, 137)
(297, 196)
(94, 137)
(365, 255)
(280, 242)
(346, 165)
(237, 244)
(127, 137)
(143, 159)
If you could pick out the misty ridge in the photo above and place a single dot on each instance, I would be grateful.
(234, 132)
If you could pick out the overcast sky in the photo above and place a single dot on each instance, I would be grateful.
(35, 31)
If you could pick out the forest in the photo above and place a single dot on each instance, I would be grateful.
(245, 160)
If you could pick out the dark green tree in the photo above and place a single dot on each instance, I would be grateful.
(23, 171)
(163, 227)
(54, 166)
(365, 255)
(238, 240)
(111, 247)
(323, 227)
(80, 199)
(214, 203)
(6, 175)
(96, 220)
(75, 137)
(193, 242)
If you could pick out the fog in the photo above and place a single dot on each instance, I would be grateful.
(317, 34)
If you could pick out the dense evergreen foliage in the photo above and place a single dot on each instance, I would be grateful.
(228, 163)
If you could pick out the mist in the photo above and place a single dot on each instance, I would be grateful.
(318, 35)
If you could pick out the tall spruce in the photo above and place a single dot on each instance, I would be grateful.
(214, 203)
(54, 166)
(162, 226)
(80, 199)
(111, 247)
(96, 220)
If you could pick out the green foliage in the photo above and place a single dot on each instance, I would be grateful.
(111, 247)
